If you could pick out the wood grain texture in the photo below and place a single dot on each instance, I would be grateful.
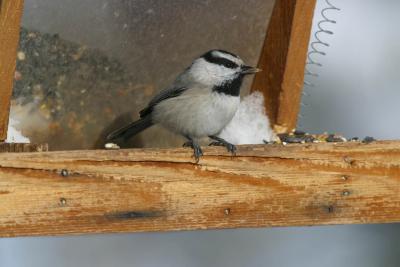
(77, 192)
(283, 61)
(23, 147)
(10, 18)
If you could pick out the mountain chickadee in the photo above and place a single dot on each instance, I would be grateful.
(200, 102)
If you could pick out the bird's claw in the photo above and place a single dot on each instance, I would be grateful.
(230, 147)
(197, 152)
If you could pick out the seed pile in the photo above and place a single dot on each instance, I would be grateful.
(77, 91)
(300, 137)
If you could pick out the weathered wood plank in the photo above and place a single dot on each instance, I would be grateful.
(283, 61)
(10, 17)
(77, 192)
(23, 147)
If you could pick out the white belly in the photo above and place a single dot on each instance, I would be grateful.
(197, 115)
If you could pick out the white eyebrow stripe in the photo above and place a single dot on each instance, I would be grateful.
(227, 56)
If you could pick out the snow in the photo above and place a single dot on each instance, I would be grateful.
(250, 125)
(15, 136)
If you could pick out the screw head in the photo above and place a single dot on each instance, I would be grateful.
(227, 211)
(346, 193)
(63, 201)
(64, 173)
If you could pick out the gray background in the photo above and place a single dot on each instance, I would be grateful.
(356, 94)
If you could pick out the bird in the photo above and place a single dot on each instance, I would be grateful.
(201, 101)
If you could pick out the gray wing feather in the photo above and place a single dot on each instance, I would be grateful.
(164, 94)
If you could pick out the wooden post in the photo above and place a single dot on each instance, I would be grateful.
(10, 19)
(75, 192)
(283, 61)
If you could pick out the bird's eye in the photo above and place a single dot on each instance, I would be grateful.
(230, 65)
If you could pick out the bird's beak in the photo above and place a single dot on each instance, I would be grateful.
(249, 70)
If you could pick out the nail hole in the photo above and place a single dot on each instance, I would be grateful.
(330, 209)
(227, 211)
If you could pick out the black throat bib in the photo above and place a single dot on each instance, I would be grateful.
(231, 87)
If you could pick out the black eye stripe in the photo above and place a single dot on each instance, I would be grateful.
(220, 61)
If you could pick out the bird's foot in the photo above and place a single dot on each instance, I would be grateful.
(221, 142)
(197, 152)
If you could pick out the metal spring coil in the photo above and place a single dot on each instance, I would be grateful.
(314, 49)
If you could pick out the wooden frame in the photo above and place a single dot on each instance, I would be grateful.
(74, 192)
(10, 17)
(283, 61)
(161, 190)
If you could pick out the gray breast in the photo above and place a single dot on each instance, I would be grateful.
(196, 113)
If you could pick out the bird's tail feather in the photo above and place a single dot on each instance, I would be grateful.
(131, 129)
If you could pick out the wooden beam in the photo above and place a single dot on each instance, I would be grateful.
(10, 18)
(77, 192)
(283, 61)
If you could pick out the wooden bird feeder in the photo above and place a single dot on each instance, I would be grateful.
(134, 190)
